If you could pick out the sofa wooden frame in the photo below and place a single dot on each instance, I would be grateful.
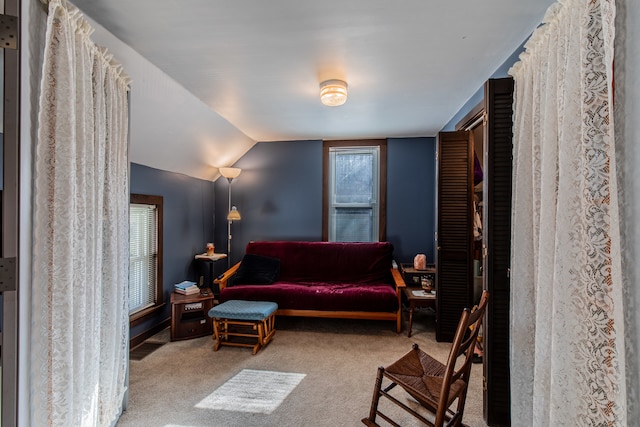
(366, 315)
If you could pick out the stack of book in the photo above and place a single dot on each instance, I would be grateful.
(187, 288)
(422, 293)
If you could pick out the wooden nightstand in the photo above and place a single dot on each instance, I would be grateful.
(207, 274)
(189, 315)
(417, 301)
(413, 277)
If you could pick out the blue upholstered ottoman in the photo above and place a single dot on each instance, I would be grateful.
(244, 319)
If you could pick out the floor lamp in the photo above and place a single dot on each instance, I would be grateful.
(234, 214)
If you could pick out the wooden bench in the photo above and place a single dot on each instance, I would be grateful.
(244, 319)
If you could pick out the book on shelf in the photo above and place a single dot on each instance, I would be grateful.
(185, 284)
(189, 291)
(423, 293)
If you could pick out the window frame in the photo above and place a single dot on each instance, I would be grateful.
(147, 313)
(382, 174)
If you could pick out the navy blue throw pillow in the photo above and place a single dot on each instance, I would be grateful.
(257, 269)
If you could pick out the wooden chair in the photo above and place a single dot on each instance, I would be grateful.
(434, 385)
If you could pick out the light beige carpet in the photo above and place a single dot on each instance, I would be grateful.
(335, 361)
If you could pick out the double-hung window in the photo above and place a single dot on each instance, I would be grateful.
(145, 255)
(354, 191)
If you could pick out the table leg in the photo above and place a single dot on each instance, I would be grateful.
(411, 307)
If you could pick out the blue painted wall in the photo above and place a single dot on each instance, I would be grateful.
(188, 226)
(411, 200)
(279, 195)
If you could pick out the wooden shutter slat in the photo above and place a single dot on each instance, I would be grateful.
(497, 240)
(455, 233)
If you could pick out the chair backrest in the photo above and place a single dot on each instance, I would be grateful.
(462, 348)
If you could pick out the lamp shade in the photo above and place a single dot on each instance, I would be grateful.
(234, 214)
(230, 173)
(333, 92)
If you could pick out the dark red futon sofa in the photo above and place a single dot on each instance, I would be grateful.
(318, 279)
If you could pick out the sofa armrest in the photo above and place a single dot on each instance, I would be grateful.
(399, 285)
(398, 280)
(222, 280)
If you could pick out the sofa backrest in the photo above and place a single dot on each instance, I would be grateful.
(329, 261)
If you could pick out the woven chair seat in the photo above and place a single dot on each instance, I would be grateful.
(421, 376)
(436, 386)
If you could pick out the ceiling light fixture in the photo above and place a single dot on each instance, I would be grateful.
(333, 92)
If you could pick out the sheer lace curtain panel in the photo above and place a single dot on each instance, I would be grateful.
(572, 296)
(79, 306)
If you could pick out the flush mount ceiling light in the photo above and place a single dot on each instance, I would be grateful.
(333, 92)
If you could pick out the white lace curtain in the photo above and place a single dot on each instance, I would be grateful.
(568, 364)
(80, 245)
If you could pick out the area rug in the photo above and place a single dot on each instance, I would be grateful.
(252, 391)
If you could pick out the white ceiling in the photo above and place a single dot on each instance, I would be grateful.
(410, 64)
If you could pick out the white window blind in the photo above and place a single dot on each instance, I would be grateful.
(143, 260)
(354, 208)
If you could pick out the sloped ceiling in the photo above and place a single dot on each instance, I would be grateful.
(256, 65)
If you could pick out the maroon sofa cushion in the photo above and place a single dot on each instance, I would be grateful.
(329, 261)
(319, 296)
(256, 269)
(329, 276)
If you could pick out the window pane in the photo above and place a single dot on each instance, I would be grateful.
(354, 224)
(143, 257)
(354, 183)
(354, 177)
(354, 190)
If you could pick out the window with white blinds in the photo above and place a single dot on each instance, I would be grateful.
(145, 287)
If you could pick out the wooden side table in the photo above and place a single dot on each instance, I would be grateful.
(417, 301)
(207, 262)
(190, 315)
(413, 277)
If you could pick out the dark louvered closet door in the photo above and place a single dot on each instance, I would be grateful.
(497, 240)
(455, 233)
